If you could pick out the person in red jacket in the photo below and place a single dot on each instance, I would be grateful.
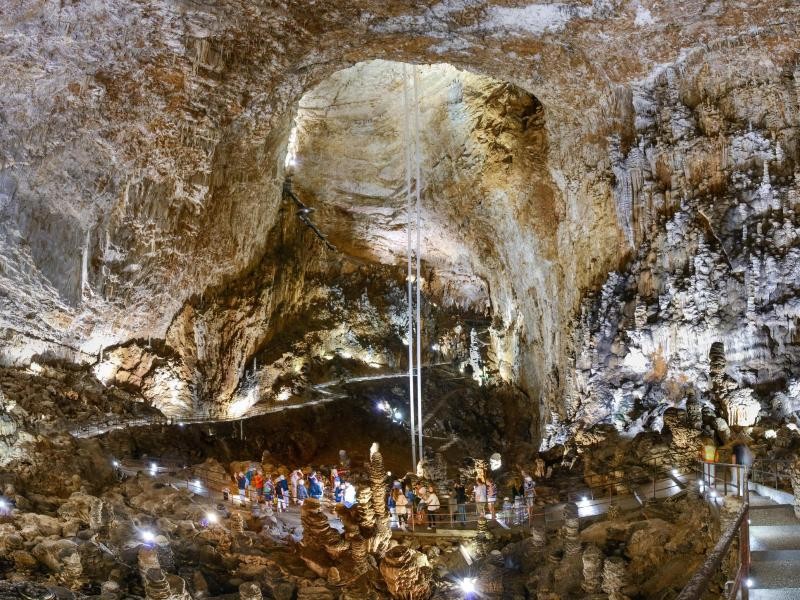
(258, 485)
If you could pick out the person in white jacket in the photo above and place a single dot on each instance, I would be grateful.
(432, 506)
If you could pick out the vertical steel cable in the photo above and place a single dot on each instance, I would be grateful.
(417, 153)
(409, 281)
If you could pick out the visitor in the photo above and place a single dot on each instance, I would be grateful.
(302, 492)
(460, 493)
(401, 508)
(349, 494)
(282, 491)
(315, 488)
(432, 505)
(491, 495)
(250, 473)
(334, 479)
(742, 456)
(529, 490)
(519, 510)
(391, 503)
(296, 476)
(508, 511)
(480, 497)
(411, 501)
(269, 491)
(258, 485)
(338, 492)
(709, 455)
(241, 483)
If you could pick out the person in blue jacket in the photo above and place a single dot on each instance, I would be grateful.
(315, 488)
(302, 493)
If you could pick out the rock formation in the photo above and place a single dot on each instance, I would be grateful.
(407, 573)
(592, 569)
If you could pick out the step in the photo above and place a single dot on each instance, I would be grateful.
(775, 594)
(775, 514)
(774, 537)
(775, 555)
(775, 574)
(757, 501)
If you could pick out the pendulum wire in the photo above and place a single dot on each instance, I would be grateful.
(409, 279)
(418, 279)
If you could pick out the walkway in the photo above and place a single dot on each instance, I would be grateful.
(324, 390)
(775, 550)
(211, 488)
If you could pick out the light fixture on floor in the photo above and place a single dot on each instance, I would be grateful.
(467, 585)
(148, 537)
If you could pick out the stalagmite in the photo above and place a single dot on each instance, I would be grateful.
(317, 531)
(615, 578)
(250, 591)
(694, 413)
(482, 537)
(592, 569)
(157, 586)
(407, 573)
(148, 559)
(237, 523)
(571, 531)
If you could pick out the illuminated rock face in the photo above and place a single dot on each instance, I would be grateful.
(142, 225)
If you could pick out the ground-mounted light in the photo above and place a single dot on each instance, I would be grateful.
(153, 469)
(148, 537)
(675, 472)
(5, 506)
(212, 518)
(467, 585)
(749, 583)
(115, 463)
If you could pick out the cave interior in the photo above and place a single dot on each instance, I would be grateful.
(534, 262)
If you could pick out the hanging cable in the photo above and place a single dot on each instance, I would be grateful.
(409, 278)
(418, 279)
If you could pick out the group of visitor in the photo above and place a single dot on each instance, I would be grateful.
(276, 490)
(422, 505)
(281, 491)
(405, 501)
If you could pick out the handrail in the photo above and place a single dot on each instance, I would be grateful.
(698, 584)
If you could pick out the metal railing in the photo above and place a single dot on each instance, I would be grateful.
(773, 473)
(700, 581)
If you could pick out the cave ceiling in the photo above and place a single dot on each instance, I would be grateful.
(609, 184)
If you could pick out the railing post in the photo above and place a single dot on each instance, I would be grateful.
(744, 553)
